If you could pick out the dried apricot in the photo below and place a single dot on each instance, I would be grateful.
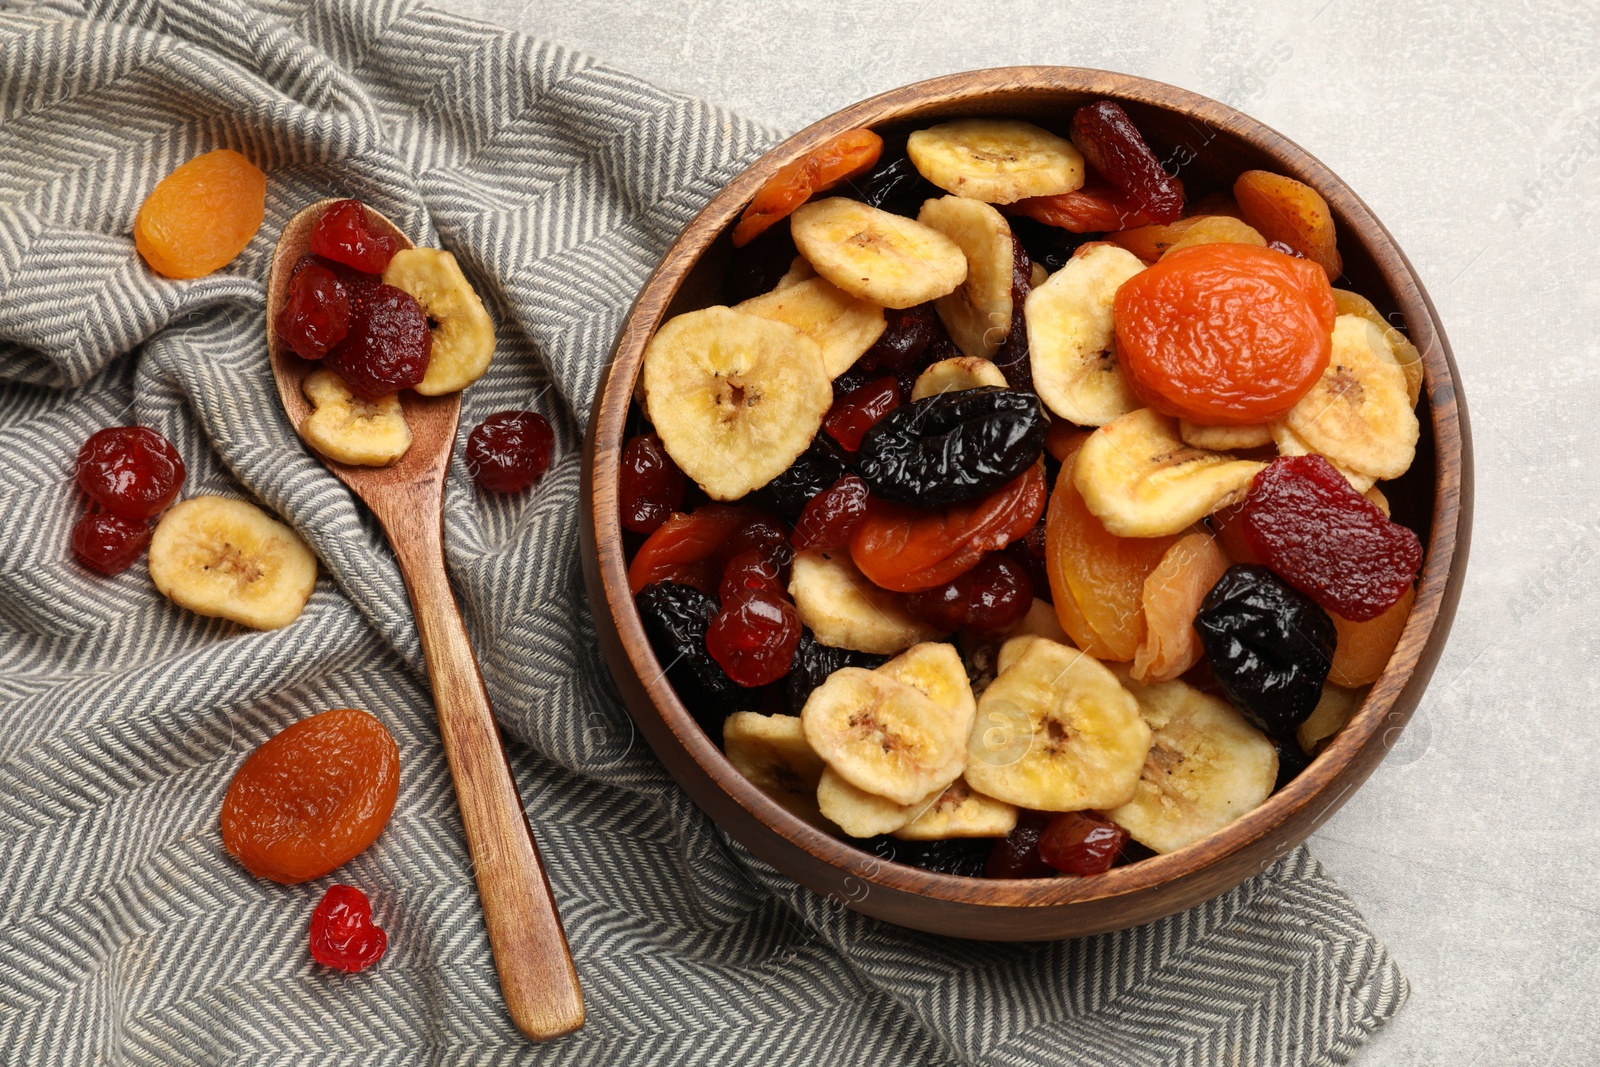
(847, 155)
(1225, 334)
(1151, 242)
(1097, 207)
(1292, 212)
(1364, 648)
(201, 215)
(1171, 598)
(1217, 230)
(312, 797)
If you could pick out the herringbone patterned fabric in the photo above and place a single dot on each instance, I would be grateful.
(127, 936)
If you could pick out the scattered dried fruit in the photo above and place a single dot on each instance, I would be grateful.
(342, 932)
(199, 217)
(109, 543)
(509, 450)
(130, 471)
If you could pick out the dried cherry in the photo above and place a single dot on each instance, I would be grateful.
(748, 572)
(509, 450)
(1113, 145)
(861, 409)
(832, 516)
(1017, 854)
(345, 235)
(1269, 646)
(1306, 522)
(109, 543)
(952, 448)
(1082, 843)
(131, 471)
(992, 596)
(316, 310)
(817, 468)
(676, 618)
(754, 635)
(387, 346)
(908, 334)
(813, 662)
(650, 485)
(342, 932)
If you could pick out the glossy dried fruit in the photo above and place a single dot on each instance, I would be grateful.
(993, 596)
(952, 448)
(1303, 519)
(1013, 355)
(1269, 646)
(312, 797)
(199, 217)
(345, 234)
(1113, 145)
(684, 549)
(1291, 212)
(908, 334)
(896, 185)
(1225, 334)
(131, 471)
(650, 486)
(675, 619)
(316, 310)
(109, 543)
(1017, 854)
(754, 635)
(788, 494)
(840, 159)
(509, 450)
(1099, 207)
(813, 662)
(1365, 647)
(832, 516)
(906, 549)
(343, 935)
(387, 345)
(853, 414)
(1081, 843)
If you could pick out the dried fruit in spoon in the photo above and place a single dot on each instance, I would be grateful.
(342, 932)
(344, 234)
(348, 429)
(316, 310)
(131, 471)
(838, 160)
(1114, 146)
(199, 217)
(1292, 212)
(462, 335)
(509, 450)
(313, 797)
(387, 346)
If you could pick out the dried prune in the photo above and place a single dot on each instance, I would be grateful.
(1082, 843)
(953, 447)
(675, 619)
(1113, 145)
(1049, 246)
(907, 335)
(992, 596)
(1291, 761)
(788, 494)
(952, 855)
(1012, 355)
(813, 662)
(858, 411)
(1269, 646)
(756, 268)
(1017, 854)
(896, 186)
(832, 515)
(1305, 521)
(650, 486)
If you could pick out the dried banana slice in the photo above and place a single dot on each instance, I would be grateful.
(860, 813)
(1141, 480)
(1224, 438)
(1290, 444)
(1405, 353)
(1337, 706)
(346, 428)
(845, 609)
(883, 736)
(463, 335)
(229, 559)
(1358, 413)
(799, 270)
(1206, 767)
(735, 397)
(842, 325)
(999, 161)
(959, 811)
(771, 751)
(954, 375)
(890, 260)
(978, 314)
(1056, 731)
(934, 669)
(1072, 339)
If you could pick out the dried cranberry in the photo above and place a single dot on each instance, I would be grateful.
(387, 346)
(109, 543)
(1306, 522)
(131, 471)
(746, 574)
(754, 638)
(509, 451)
(1081, 842)
(342, 932)
(832, 516)
(344, 235)
(1017, 854)
(1113, 146)
(857, 412)
(992, 596)
(316, 312)
(650, 485)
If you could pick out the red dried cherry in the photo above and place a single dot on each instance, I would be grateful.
(832, 515)
(109, 543)
(342, 931)
(1306, 522)
(650, 485)
(746, 574)
(853, 414)
(509, 450)
(1081, 842)
(387, 346)
(1114, 146)
(1017, 854)
(316, 311)
(754, 636)
(344, 235)
(131, 471)
(992, 596)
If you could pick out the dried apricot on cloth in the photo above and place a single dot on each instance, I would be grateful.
(847, 155)
(1225, 334)
(312, 797)
(201, 215)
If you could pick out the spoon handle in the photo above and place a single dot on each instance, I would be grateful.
(530, 950)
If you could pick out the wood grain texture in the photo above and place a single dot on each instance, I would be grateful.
(530, 949)
(1210, 143)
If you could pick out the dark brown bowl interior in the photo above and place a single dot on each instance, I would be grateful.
(1211, 143)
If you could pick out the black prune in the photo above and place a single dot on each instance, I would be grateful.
(955, 855)
(1292, 759)
(1050, 246)
(756, 268)
(817, 468)
(895, 185)
(675, 619)
(813, 662)
(1012, 355)
(1269, 646)
(952, 447)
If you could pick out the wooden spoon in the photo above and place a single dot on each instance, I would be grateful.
(525, 934)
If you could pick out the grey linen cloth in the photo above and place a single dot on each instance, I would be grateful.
(127, 935)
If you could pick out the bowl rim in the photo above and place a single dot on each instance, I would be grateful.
(1378, 719)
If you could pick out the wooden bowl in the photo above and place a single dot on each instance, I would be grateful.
(1211, 143)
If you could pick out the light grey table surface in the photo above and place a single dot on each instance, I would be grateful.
(1473, 130)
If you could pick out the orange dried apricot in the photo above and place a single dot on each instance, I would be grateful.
(312, 797)
(1292, 212)
(201, 215)
(1149, 243)
(825, 166)
(1172, 596)
(1364, 648)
